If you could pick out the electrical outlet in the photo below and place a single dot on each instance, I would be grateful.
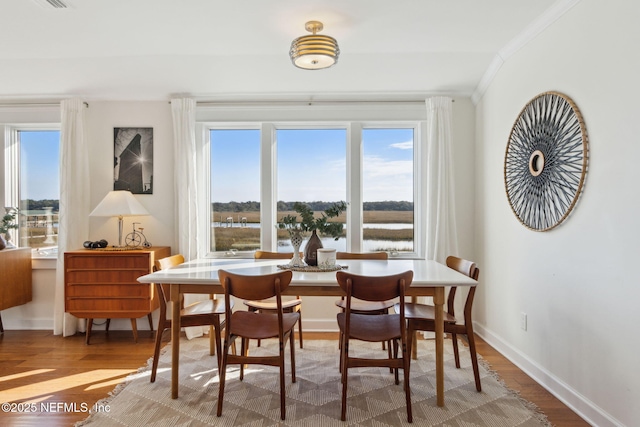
(523, 321)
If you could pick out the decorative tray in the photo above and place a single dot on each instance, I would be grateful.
(313, 268)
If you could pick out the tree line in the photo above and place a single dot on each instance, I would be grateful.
(389, 205)
(34, 205)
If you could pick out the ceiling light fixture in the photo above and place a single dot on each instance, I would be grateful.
(314, 52)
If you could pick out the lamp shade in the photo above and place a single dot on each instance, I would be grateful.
(119, 203)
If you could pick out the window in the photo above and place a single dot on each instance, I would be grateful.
(32, 185)
(318, 179)
(235, 189)
(257, 174)
(387, 189)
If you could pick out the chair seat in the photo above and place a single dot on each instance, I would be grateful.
(270, 304)
(364, 327)
(210, 306)
(260, 325)
(359, 306)
(423, 312)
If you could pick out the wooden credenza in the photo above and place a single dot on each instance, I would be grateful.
(15, 278)
(100, 284)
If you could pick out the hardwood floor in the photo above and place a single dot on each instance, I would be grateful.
(41, 373)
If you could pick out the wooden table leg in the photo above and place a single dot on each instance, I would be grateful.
(414, 336)
(438, 301)
(175, 339)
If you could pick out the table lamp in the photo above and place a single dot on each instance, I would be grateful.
(119, 203)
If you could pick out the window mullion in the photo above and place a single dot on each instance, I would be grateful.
(354, 187)
(268, 180)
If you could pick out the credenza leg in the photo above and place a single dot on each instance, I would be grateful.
(88, 327)
(134, 327)
(150, 322)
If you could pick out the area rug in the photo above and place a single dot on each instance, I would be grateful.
(315, 398)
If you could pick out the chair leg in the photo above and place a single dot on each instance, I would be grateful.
(215, 338)
(456, 354)
(293, 357)
(222, 375)
(406, 360)
(474, 357)
(345, 353)
(156, 351)
(395, 356)
(244, 344)
(299, 328)
(282, 395)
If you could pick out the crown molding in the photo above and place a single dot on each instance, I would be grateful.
(530, 32)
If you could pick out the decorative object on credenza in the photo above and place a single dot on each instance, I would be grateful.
(7, 224)
(98, 244)
(546, 161)
(137, 238)
(315, 51)
(119, 204)
(308, 222)
(133, 160)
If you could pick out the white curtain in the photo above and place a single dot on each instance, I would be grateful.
(73, 227)
(442, 238)
(185, 182)
(187, 187)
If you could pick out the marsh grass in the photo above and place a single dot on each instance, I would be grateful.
(247, 239)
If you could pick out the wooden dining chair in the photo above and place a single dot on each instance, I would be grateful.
(202, 313)
(257, 325)
(288, 305)
(421, 317)
(363, 327)
(366, 307)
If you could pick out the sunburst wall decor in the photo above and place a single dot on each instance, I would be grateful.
(546, 161)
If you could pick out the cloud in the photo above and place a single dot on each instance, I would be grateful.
(408, 145)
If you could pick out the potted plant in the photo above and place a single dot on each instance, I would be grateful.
(7, 223)
(308, 222)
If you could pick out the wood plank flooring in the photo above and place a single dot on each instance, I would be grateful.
(54, 380)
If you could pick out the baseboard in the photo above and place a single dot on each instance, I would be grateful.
(578, 403)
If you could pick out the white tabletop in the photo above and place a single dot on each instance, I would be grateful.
(205, 270)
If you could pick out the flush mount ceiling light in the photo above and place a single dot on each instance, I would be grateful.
(314, 52)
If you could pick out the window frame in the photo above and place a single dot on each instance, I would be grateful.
(354, 175)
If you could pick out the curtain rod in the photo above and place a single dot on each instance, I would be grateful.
(35, 104)
(305, 102)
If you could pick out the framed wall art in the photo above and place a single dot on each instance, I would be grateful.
(546, 161)
(133, 160)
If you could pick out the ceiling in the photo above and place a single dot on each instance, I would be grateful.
(214, 49)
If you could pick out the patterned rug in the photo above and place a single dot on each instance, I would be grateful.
(315, 398)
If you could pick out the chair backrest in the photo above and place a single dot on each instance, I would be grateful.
(163, 290)
(170, 261)
(374, 288)
(252, 287)
(362, 255)
(272, 255)
(468, 268)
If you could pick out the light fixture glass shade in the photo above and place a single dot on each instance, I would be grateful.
(314, 52)
(119, 203)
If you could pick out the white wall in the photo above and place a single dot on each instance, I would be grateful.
(576, 283)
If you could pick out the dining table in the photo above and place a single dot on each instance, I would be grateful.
(200, 276)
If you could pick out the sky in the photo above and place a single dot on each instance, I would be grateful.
(39, 164)
(311, 165)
